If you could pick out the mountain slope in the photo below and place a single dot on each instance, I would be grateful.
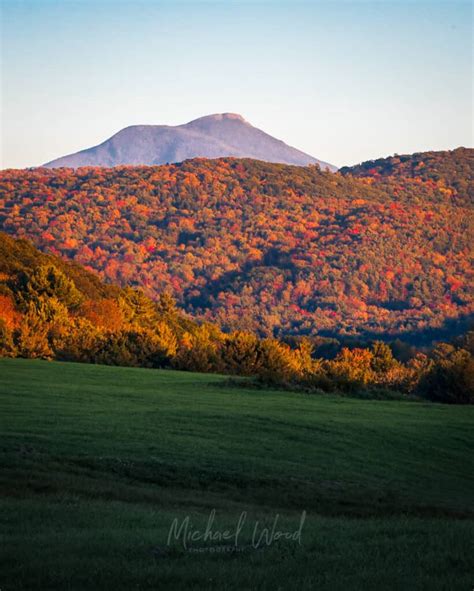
(448, 170)
(267, 247)
(20, 257)
(213, 136)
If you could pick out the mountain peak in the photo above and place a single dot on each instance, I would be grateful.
(220, 117)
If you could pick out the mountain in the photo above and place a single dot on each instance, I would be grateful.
(277, 249)
(213, 136)
(452, 169)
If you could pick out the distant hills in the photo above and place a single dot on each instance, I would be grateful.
(213, 136)
(379, 251)
(451, 169)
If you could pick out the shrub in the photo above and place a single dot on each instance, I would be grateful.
(139, 347)
(240, 353)
(278, 363)
(382, 357)
(451, 378)
(31, 337)
(352, 368)
(200, 350)
(80, 343)
(7, 346)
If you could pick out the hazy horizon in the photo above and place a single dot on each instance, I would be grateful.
(342, 81)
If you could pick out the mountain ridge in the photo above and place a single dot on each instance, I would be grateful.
(212, 136)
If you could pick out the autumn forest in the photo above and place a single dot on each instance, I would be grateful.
(238, 266)
(381, 250)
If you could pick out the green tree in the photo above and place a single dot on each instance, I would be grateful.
(138, 308)
(31, 337)
(352, 368)
(240, 354)
(47, 281)
(451, 378)
(7, 346)
(278, 363)
(200, 350)
(382, 357)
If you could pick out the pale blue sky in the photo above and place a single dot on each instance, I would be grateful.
(344, 81)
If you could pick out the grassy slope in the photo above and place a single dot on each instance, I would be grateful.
(97, 461)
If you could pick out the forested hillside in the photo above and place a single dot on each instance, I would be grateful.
(451, 171)
(51, 309)
(266, 247)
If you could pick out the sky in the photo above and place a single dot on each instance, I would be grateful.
(345, 81)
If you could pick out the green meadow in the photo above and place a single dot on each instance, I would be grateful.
(98, 462)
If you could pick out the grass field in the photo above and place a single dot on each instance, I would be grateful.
(97, 462)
